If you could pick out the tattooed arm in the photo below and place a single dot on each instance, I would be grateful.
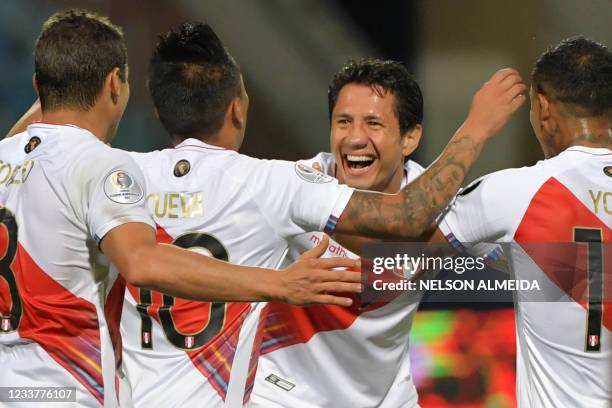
(412, 211)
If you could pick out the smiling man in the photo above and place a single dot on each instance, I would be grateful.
(358, 357)
(376, 110)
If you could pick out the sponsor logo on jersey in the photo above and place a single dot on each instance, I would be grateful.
(32, 144)
(608, 171)
(120, 187)
(593, 340)
(181, 168)
(311, 175)
(279, 382)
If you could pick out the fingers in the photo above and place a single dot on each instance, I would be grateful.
(516, 90)
(330, 263)
(333, 300)
(502, 74)
(517, 102)
(338, 276)
(317, 251)
(511, 80)
(339, 287)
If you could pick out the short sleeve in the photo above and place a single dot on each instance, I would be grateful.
(294, 197)
(477, 213)
(114, 192)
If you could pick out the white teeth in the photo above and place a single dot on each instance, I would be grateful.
(354, 158)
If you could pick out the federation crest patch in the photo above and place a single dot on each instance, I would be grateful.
(181, 168)
(189, 342)
(608, 171)
(32, 144)
(593, 340)
(120, 187)
(311, 175)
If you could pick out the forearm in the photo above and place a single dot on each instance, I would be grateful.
(411, 212)
(185, 274)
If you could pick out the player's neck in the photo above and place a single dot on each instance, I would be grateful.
(88, 120)
(217, 140)
(587, 132)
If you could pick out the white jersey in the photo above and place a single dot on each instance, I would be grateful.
(180, 353)
(330, 356)
(564, 348)
(61, 191)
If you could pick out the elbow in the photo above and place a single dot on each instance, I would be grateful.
(136, 271)
(417, 230)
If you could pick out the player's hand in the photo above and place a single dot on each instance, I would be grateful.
(494, 104)
(311, 279)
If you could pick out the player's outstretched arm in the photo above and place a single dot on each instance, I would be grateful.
(411, 212)
(178, 272)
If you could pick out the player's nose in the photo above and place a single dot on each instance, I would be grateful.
(357, 138)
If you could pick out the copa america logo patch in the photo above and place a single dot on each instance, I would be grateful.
(120, 187)
(311, 175)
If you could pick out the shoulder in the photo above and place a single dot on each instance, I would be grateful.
(323, 162)
(413, 169)
(13, 149)
(509, 188)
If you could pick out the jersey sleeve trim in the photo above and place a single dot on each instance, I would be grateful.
(101, 232)
(337, 210)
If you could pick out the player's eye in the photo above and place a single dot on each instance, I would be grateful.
(375, 124)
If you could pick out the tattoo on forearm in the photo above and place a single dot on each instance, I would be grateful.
(411, 212)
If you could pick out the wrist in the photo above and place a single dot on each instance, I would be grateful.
(477, 133)
(269, 285)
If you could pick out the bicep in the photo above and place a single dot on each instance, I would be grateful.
(124, 244)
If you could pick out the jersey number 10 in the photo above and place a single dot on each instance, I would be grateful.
(185, 341)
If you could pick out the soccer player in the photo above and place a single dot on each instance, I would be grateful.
(205, 195)
(65, 196)
(357, 357)
(199, 97)
(564, 348)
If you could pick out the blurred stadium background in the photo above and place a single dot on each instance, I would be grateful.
(288, 49)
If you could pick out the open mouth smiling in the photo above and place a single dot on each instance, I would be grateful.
(358, 162)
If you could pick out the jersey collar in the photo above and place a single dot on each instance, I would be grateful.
(589, 150)
(191, 142)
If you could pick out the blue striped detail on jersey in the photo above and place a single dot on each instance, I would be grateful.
(330, 227)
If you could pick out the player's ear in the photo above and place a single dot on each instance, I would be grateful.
(546, 119)
(238, 113)
(410, 140)
(35, 85)
(113, 83)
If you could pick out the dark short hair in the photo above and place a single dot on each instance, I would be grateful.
(388, 76)
(578, 73)
(192, 80)
(74, 53)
